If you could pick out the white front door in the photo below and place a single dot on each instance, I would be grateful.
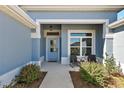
(52, 49)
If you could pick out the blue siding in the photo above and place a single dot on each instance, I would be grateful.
(15, 43)
(35, 49)
(64, 41)
(99, 38)
(112, 16)
(42, 43)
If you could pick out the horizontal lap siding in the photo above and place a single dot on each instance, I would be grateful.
(15, 43)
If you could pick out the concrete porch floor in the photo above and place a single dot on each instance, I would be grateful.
(57, 75)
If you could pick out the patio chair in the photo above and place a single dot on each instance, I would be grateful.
(91, 58)
(73, 61)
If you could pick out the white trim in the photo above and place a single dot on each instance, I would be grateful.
(72, 7)
(116, 24)
(6, 78)
(41, 60)
(36, 34)
(109, 36)
(71, 21)
(105, 28)
(85, 31)
(18, 14)
(65, 60)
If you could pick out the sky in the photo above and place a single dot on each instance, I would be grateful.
(120, 15)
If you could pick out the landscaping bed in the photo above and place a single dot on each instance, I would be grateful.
(30, 76)
(115, 81)
(78, 82)
(34, 84)
(96, 75)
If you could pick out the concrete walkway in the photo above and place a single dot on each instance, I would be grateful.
(57, 76)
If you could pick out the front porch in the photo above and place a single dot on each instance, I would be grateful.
(59, 40)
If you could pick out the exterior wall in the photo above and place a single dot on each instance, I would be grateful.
(109, 46)
(99, 39)
(118, 45)
(42, 43)
(35, 49)
(112, 16)
(15, 44)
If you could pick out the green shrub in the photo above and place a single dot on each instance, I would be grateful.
(28, 74)
(110, 65)
(92, 72)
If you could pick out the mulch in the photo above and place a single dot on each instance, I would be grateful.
(78, 82)
(35, 84)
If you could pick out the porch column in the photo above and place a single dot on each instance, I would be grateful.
(35, 36)
(108, 40)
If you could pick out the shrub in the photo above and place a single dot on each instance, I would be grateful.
(28, 74)
(110, 65)
(92, 72)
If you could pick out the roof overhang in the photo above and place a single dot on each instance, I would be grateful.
(72, 7)
(18, 14)
(71, 21)
(116, 24)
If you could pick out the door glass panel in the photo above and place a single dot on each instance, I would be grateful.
(53, 46)
(75, 41)
(86, 42)
(86, 51)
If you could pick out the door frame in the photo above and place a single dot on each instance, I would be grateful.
(57, 38)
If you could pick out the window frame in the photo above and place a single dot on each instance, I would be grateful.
(81, 37)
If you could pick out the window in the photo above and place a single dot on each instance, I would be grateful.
(81, 44)
(81, 34)
(86, 46)
(75, 46)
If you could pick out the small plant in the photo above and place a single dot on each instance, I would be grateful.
(110, 65)
(28, 74)
(92, 72)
